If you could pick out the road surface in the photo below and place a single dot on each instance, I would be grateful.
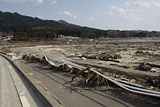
(16, 91)
(59, 84)
(8, 93)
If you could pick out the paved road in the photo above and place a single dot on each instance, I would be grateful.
(13, 92)
(8, 92)
(58, 83)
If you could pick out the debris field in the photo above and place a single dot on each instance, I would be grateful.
(99, 64)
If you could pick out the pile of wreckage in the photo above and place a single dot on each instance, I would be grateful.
(93, 76)
(4, 50)
(146, 67)
(102, 56)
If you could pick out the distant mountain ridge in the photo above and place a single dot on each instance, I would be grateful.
(8, 19)
(15, 22)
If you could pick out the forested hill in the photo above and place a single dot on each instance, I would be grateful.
(24, 27)
(8, 20)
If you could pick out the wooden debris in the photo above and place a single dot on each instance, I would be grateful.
(103, 56)
(31, 58)
(95, 79)
(80, 73)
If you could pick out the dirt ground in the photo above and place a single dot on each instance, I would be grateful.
(122, 53)
(119, 52)
(131, 53)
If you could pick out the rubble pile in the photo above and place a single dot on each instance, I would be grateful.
(102, 56)
(95, 79)
(146, 67)
(91, 78)
(31, 58)
(146, 53)
(5, 50)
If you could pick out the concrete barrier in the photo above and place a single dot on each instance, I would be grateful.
(40, 96)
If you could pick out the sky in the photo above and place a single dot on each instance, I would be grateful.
(101, 14)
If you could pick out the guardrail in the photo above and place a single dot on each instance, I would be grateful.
(123, 84)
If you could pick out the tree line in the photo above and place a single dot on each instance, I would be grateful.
(40, 33)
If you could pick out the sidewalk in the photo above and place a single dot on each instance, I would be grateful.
(13, 92)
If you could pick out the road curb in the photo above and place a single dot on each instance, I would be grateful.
(47, 100)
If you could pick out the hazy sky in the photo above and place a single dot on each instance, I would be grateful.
(103, 14)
